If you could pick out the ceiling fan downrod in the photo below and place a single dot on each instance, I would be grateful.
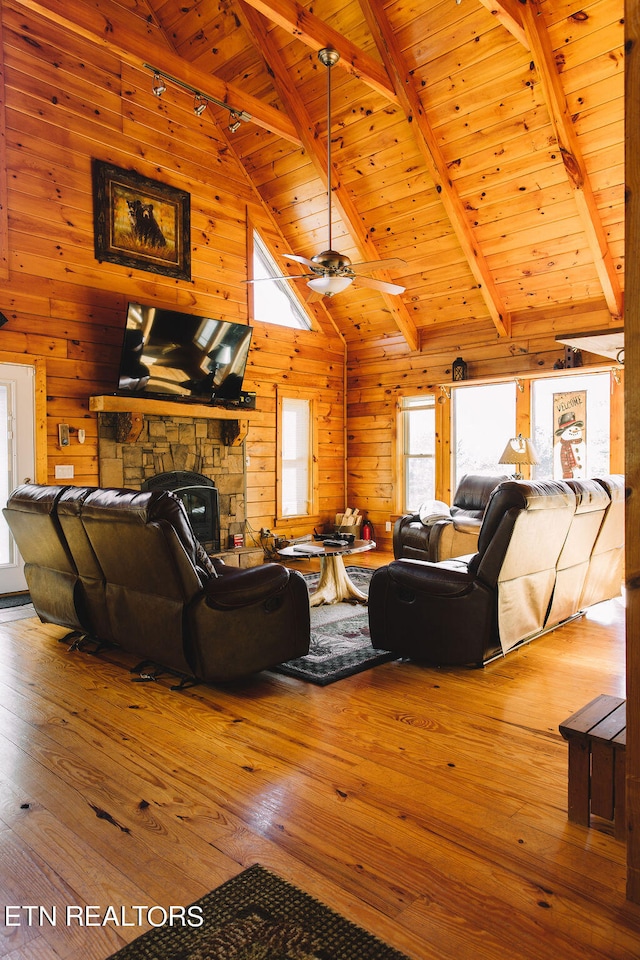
(328, 57)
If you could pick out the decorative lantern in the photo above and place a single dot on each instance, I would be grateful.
(459, 369)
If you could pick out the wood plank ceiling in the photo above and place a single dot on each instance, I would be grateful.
(481, 141)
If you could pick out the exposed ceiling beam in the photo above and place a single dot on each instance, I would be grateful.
(410, 100)
(313, 32)
(508, 13)
(571, 152)
(343, 202)
(138, 40)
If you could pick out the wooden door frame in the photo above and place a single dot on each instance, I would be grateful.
(632, 441)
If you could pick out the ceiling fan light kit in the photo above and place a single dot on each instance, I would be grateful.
(329, 285)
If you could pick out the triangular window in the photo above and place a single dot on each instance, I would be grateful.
(273, 301)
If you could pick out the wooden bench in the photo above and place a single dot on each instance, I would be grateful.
(597, 738)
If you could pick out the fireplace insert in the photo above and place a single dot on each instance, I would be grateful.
(200, 498)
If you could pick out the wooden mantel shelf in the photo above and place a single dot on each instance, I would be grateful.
(165, 408)
(130, 412)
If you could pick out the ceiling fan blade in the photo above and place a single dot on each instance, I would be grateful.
(296, 276)
(298, 259)
(391, 264)
(381, 285)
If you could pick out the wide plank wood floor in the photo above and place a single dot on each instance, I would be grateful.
(427, 805)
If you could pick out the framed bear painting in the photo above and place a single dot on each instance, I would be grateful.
(140, 222)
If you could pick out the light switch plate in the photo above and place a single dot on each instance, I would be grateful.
(64, 471)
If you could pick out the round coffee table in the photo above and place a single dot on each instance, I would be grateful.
(334, 585)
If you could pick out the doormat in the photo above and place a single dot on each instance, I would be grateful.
(259, 916)
(340, 642)
(14, 600)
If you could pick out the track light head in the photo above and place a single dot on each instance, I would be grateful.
(234, 122)
(159, 86)
(199, 105)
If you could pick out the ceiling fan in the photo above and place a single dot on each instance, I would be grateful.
(332, 272)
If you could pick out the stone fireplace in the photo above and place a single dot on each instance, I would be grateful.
(200, 498)
(134, 448)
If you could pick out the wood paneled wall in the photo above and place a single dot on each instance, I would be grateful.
(69, 100)
(380, 372)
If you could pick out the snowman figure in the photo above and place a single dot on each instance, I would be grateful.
(570, 432)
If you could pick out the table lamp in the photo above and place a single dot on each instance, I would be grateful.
(519, 450)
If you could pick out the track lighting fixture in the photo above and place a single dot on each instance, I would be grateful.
(200, 100)
(159, 86)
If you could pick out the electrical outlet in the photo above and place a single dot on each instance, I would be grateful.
(387, 526)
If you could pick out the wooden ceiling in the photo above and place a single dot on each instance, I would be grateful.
(481, 141)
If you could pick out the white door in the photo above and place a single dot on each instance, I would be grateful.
(17, 458)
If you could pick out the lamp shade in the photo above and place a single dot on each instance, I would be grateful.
(519, 450)
(329, 285)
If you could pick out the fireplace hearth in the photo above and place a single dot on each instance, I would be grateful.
(200, 498)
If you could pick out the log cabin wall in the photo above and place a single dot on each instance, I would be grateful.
(68, 100)
(382, 371)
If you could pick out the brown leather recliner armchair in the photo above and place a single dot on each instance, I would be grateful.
(469, 611)
(417, 536)
(50, 570)
(124, 566)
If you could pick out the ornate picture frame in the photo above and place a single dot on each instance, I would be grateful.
(141, 223)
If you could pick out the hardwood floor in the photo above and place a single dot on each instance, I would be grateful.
(427, 805)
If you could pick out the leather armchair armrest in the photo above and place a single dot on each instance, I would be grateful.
(234, 588)
(419, 576)
(453, 538)
(397, 531)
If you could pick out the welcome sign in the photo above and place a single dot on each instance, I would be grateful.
(570, 435)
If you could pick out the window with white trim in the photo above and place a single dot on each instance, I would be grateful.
(484, 419)
(274, 300)
(418, 450)
(589, 436)
(295, 457)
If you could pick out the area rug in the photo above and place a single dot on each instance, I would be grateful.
(259, 916)
(14, 600)
(340, 642)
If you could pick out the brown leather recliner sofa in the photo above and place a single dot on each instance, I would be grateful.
(424, 536)
(546, 550)
(124, 567)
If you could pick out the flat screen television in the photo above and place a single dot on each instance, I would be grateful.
(179, 356)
